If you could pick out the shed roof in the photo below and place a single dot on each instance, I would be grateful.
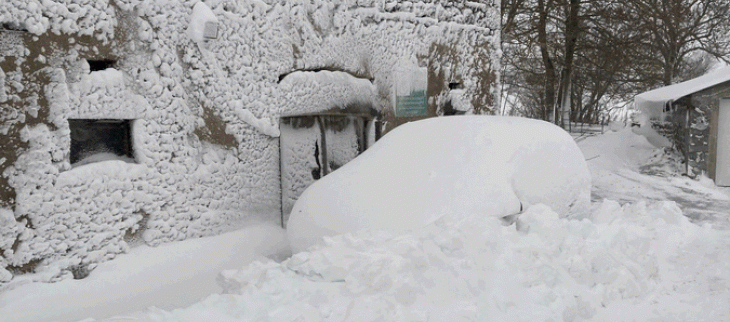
(653, 102)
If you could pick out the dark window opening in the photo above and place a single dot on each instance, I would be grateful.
(330, 69)
(14, 27)
(449, 109)
(100, 140)
(455, 85)
(97, 65)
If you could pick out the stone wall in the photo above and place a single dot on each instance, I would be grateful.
(704, 127)
(700, 147)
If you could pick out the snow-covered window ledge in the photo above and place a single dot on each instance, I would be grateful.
(98, 140)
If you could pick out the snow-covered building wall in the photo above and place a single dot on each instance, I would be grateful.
(197, 91)
(688, 114)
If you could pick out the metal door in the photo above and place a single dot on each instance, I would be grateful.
(313, 146)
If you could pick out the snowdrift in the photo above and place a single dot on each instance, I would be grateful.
(169, 276)
(421, 171)
(647, 263)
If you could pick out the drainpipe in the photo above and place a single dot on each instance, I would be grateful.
(323, 142)
(281, 183)
(686, 158)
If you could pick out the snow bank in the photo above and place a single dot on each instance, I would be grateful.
(652, 136)
(7, 237)
(614, 150)
(493, 166)
(167, 276)
(648, 263)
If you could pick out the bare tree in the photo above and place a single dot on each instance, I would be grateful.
(544, 31)
(589, 53)
(671, 34)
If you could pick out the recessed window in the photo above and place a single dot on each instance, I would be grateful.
(100, 140)
(455, 85)
(97, 65)
(13, 27)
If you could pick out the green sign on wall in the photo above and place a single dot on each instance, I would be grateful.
(414, 104)
(409, 90)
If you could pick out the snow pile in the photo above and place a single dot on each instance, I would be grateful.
(101, 157)
(493, 166)
(168, 276)
(653, 137)
(615, 150)
(7, 237)
(626, 167)
(634, 262)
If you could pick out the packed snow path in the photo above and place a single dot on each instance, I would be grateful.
(627, 168)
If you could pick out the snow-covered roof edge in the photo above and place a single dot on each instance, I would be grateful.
(653, 102)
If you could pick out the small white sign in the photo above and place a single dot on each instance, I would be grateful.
(211, 30)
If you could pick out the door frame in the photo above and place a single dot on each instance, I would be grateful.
(722, 148)
(363, 122)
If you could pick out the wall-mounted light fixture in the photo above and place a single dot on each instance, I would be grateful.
(211, 30)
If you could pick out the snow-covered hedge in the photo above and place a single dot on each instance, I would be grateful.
(421, 171)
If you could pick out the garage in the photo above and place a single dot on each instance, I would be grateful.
(696, 116)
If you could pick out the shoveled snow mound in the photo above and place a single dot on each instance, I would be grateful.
(171, 275)
(636, 262)
(487, 165)
(615, 150)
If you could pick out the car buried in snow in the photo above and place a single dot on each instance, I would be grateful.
(449, 166)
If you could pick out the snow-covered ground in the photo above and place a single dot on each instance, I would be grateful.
(168, 276)
(627, 168)
(640, 256)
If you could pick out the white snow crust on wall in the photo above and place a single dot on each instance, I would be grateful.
(298, 161)
(198, 19)
(342, 145)
(181, 186)
(333, 90)
(81, 17)
(410, 77)
(10, 80)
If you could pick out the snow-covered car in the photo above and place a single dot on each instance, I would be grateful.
(449, 166)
